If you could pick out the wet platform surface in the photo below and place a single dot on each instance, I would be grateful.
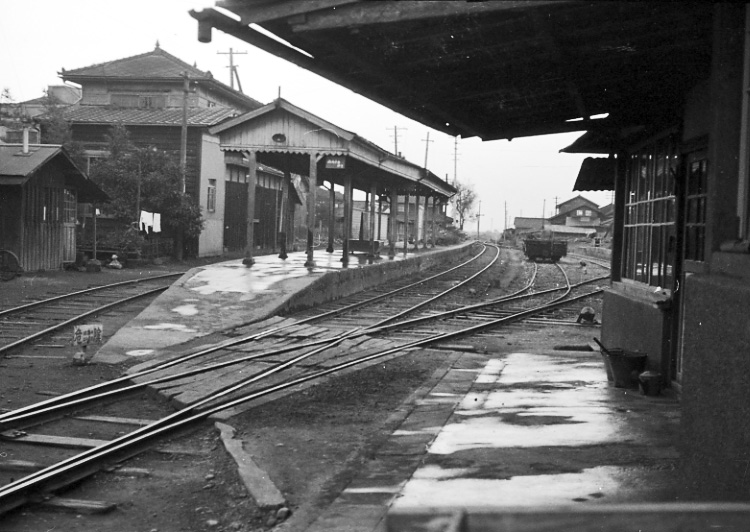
(220, 296)
(510, 428)
(535, 429)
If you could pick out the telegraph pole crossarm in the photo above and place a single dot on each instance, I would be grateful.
(233, 75)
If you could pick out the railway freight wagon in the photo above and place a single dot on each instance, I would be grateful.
(551, 250)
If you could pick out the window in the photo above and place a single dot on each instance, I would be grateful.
(237, 174)
(579, 212)
(142, 101)
(649, 235)
(70, 206)
(211, 197)
(695, 206)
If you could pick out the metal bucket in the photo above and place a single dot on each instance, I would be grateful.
(649, 383)
(626, 366)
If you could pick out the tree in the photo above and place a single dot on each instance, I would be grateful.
(463, 202)
(145, 178)
(55, 129)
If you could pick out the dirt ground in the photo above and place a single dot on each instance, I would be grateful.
(311, 443)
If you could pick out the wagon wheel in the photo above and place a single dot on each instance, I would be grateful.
(9, 265)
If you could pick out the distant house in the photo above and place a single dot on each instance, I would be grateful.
(576, 217)
(145, 93)
(40, 188)
(527, 225)
(577, 212)
(57, 95)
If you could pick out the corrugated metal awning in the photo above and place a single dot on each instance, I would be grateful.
(596, 173)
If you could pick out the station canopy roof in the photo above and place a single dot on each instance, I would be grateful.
(285, 136)
(493, 69)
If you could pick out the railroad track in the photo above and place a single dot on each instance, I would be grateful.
(38, 321)
(279, 356)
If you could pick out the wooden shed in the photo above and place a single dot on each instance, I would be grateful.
(40, 187)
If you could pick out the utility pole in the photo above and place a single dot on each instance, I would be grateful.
(180, 236)
(232, 68)
(455, 160)
(426, 148)
(395, 139)
(544, 208)
(183, 135)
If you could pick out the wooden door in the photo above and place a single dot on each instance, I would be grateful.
(235, 216)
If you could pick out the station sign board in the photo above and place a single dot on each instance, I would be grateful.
(336, 162)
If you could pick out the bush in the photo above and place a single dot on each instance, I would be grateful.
(448, 236)
(123, 241)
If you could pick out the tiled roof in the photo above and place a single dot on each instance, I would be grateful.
(154, 64)
(519, 222)
(197, 116)
(13, 162)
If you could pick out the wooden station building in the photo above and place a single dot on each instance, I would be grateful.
(295, 141)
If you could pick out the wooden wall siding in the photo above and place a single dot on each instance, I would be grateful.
(299, 133)
(43, 207)
(267, 210)
(68, 242)
(11, 218)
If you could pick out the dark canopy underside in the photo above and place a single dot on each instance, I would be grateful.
(493, 69)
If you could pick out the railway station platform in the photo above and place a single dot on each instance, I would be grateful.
(219, 297)
(523, 427)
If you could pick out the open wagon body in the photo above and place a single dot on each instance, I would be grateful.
(552, 250)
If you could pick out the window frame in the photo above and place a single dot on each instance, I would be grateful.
(211, 196)
(650, 217)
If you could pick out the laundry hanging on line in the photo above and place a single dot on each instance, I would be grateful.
(150, 220)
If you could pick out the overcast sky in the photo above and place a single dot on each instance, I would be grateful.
(38, 38)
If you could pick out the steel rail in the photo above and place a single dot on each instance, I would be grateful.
(221, 345)
(391, 293)
(469, 308)
(79, 398)
(441, 294)
(90, 454)
(79, 317)
(86, 291)
(157, 367)
(18, 488)
(14, 417)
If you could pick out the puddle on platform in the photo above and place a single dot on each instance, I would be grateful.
(435, 487)
(140, 352)
(186, 310)
(236, 277)
(179, 327)
(580, 428)
(492, 372)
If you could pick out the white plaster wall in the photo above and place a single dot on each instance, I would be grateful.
(211, 239)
